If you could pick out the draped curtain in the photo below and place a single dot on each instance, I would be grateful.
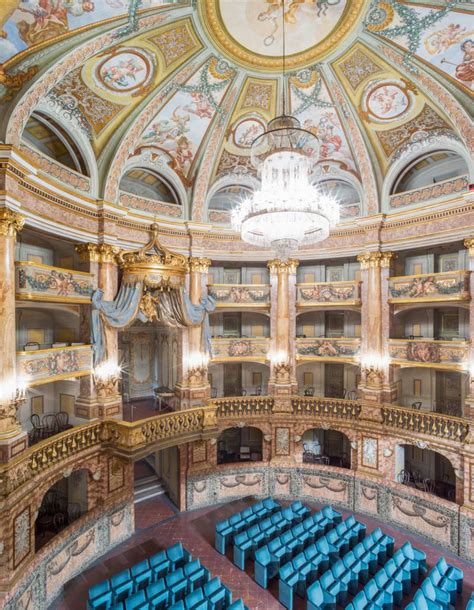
(174, 308)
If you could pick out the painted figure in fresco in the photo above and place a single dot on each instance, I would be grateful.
(249, 134)
(200, 106)
(387, 100)
(291, 10)
(439, 41)
(122, 74)
(465, 71)
(423, 352)
(331, 142)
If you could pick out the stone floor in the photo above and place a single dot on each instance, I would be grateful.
(159, 524)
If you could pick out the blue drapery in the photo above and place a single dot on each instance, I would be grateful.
(174, 308)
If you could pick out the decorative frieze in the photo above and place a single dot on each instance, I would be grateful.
(243, 295)
(322, 294)
(430, 353)
(340, 349)
(253, 350)
(430, 287)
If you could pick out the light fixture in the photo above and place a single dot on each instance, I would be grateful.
(106, 377)
(288, 211)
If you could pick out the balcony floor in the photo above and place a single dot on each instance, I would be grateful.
(159, 525)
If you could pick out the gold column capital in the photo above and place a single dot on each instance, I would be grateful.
(199, 265)
(278, 266)
(10, 222)
(370, 260)
(97, 253)
(469, 244)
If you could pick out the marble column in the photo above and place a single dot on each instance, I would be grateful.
(193, 388)
(469, 401)
(282, 381)
(12, 439)
(99, 397)
(377, 384)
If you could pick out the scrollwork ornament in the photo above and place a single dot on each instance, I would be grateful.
(10, 222)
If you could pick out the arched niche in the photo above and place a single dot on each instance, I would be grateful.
(227, 192)
(240, 444)
(62, 504)
(347, 194)
(426, 470)
(327, 447)
(144, 182)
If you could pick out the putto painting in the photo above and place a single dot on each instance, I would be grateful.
(257, 24)
(24, 23)
(386, 100)
(124, 71)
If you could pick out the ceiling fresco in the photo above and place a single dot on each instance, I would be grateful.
(184, 86)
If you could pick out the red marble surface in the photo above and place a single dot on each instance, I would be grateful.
(159, 525)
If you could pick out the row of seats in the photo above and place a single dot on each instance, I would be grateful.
(354, 567)
(393, 580)
(440, 589)
(227, 529)
(249, 540)
(470, 603)
(169, 579)
(283, 548)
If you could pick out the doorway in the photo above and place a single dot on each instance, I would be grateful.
(232, 379)
(448, 393)
(333, 380)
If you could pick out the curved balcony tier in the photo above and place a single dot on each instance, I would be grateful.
(242, 296)
(35, 367)
(327, 349)
(37, 282)
(240, 349)
(429, 287)
(328, 294)
(451, 355)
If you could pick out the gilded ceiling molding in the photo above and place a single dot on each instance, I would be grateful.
(445, 100)
(97, 253)
(128, 142)
(371, 260)
(278, 266)
(205, 170)
(58, 71)
(199, 265)
(361, 153)
(10, 222)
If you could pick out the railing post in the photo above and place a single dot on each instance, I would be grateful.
(12, 439)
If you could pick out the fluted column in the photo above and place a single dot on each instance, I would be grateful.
(12, 439)
(282, 330)
(376, 374)
(469, 402)
(193, 388)
(99, 396)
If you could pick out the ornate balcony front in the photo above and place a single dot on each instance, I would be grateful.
(229, 296)
(324, 294)
(37, 282)
(244, 350)
(429, 287)
(445, 189)
(249, 406)
(46, 365)
(453, 355)
(433, 424)
(326, 407)
(322, 348)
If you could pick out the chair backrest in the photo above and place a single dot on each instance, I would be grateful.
(62, 418)
(416, 405)
(49, 420)
(352, 395)
(35, 420)
(309, 391)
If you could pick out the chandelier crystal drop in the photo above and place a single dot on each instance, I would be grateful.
(288, 211)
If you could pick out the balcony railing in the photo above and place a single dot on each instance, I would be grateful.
(243, 349)
(46, 365)
(429, 353)
(460, 184)
(429, 287)
(38, 282)
(242, 295)
(433, 424)
(236, 407)
(323, 294)
(323, 348)
(326, 407)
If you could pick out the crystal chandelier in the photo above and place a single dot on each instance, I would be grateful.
(288, 211)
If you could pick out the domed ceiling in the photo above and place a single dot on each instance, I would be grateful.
(177, 91)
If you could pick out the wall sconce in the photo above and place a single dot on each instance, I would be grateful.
(13, 391)
(106, 377)
(373, 366)
(281, 366)
(197, 368)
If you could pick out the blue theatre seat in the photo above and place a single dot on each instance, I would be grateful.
(142, 575)
(100, 596)
(137, 602)
(122, 585)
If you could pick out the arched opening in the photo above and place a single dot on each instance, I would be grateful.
(328, 447)
(426, 470)
(145, 183)
(47, 137)
(328, 379)
(238, 379)
(240, 445)
(346, 194)
(62, 504)
(224, 200)
(429, 169)
(158, 474)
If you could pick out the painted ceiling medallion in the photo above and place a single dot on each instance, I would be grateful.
(387, 100)
(246, 131)
(125, 70)
(250, 31)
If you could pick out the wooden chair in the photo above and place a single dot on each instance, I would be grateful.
(351, 395)
(50, 424)
(309, 391)
(258, 391)
(62, 421)
(416, 405)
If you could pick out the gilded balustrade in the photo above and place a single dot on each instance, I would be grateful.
(429, 287)
(238, 406)
(242, 295)
(430, 353)
(324, 294)
(433, 424)
(325, 348)
(37, 282)
(326, 407)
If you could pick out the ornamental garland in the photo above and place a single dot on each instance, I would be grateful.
(381, 15)
(132, 25)
(297, 84)
(60, 281)
(327, 348)
(220, 70)
(420, 286)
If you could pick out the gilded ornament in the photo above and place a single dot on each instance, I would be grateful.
(380, 17)
(199, 265)
(373, 376)
(371, 260)
(469, 244)
(10, 222)
(97, 253)
(278, 266)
